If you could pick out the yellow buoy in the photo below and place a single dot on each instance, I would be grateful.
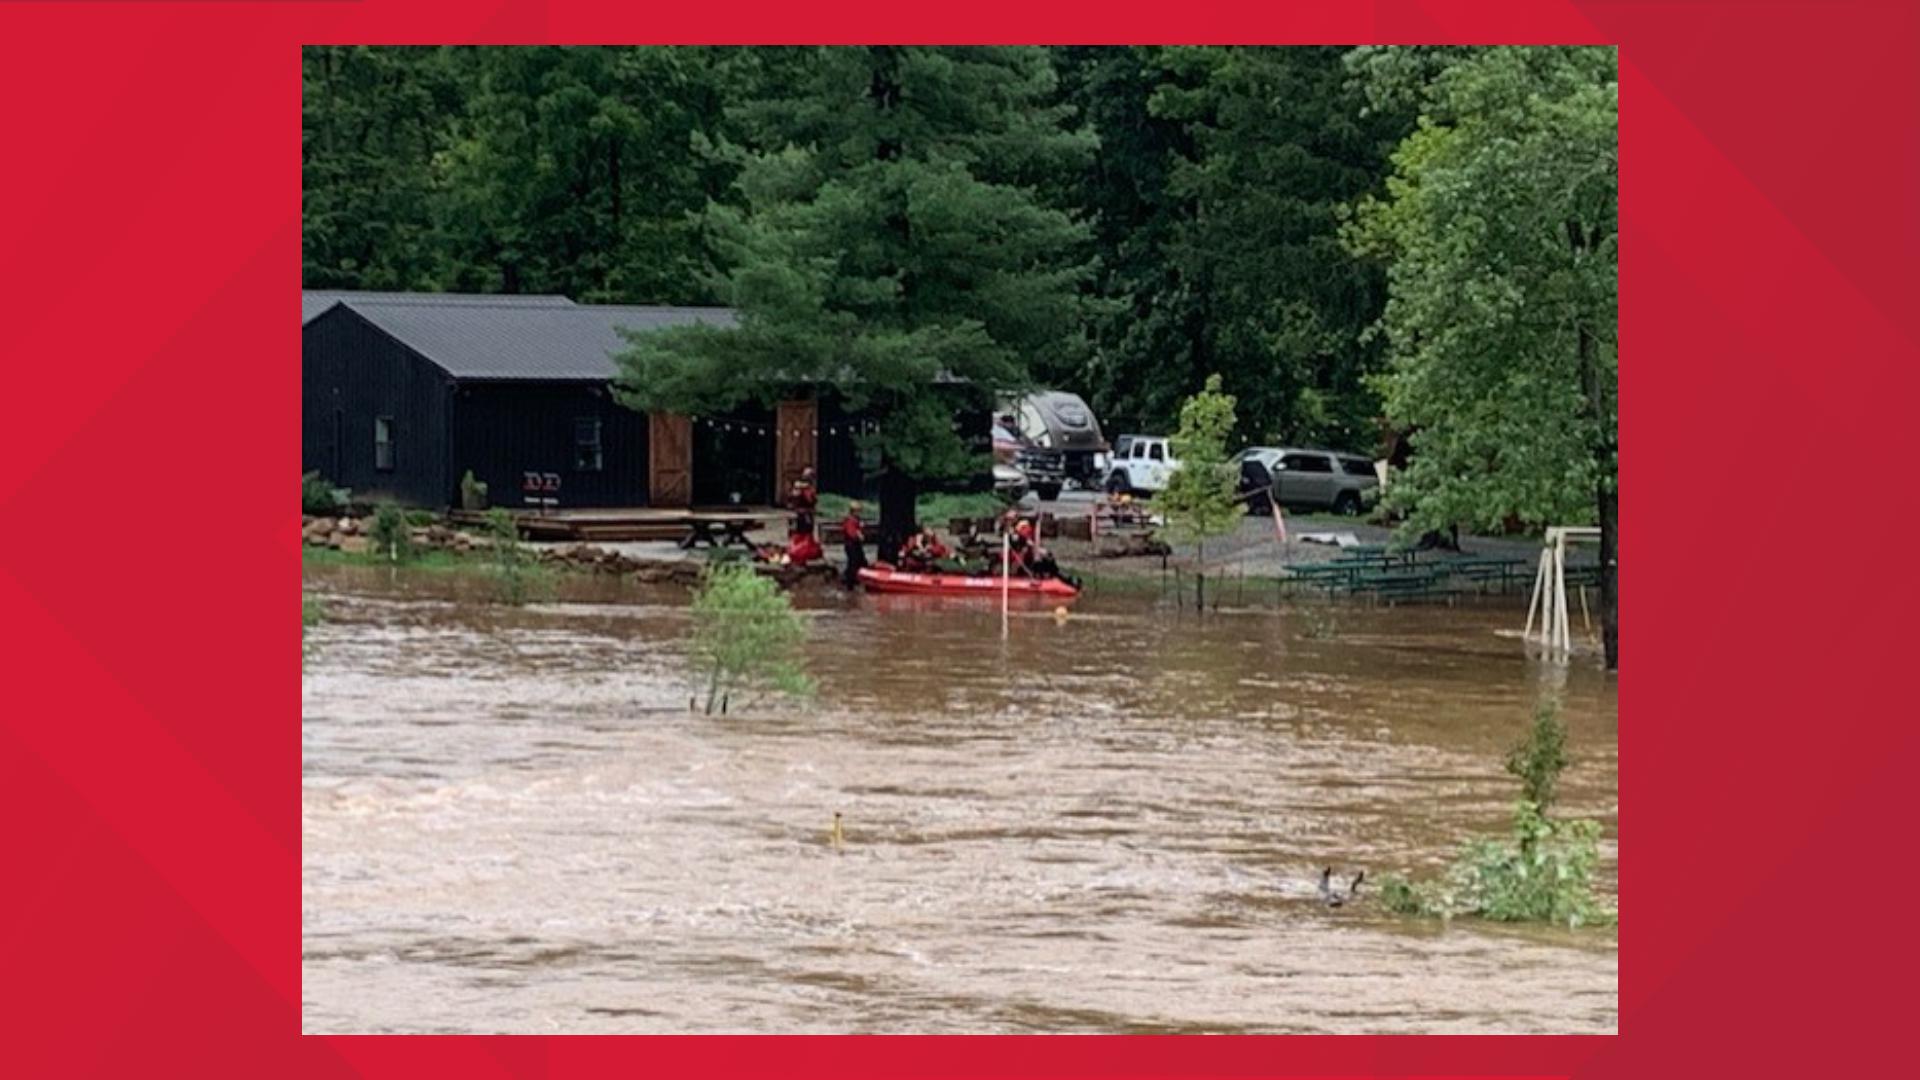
(1060, 614)
(835, 836)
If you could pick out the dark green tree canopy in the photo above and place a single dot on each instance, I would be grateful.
(887, 235)
(1412, 239)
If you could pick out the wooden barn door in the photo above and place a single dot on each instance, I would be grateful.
(798, 445)
(669, 460)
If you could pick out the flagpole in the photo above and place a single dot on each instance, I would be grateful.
(1006, 579)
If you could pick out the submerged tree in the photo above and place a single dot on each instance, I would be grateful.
(887, 237)
(1499, 231)
(1199, 500)
(1545, 874)
(746, 636)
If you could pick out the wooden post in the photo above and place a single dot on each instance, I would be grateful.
(1563, 628)
(1537, 601)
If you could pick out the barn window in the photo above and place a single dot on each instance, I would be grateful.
(586, 444)
(383, 443)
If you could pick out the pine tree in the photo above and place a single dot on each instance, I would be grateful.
(887, 237)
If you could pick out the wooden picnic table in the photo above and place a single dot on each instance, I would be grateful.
(733, 530)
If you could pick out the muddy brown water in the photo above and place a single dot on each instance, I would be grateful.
(1111, 823)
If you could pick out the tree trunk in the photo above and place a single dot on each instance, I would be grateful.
(1609, 499)
(1610, 573)
(898, 493)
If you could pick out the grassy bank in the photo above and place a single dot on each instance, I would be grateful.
(934, 509)
(434, 559)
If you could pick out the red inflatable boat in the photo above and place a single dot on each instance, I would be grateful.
(883, 580)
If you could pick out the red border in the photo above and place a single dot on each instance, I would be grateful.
(149, 254)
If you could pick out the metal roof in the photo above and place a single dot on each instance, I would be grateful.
(521, 339)
(315, 301)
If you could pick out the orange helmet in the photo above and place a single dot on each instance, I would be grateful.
(1025, 528)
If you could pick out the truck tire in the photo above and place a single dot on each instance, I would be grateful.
(1347, 503)
(1047, 492)
(1117, 483)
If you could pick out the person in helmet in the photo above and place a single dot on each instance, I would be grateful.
(853, 538)
(1029, 557)
(802, 500)
(923, 553)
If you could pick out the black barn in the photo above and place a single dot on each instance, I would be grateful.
(401, 394)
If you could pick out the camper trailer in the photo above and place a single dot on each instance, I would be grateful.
(1061, 440)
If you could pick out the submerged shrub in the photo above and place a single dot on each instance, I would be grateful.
(1543, 873)
(390, 534)
(746, 636)
(1541, 757)
(515, 574)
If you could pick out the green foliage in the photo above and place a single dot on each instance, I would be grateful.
(312, 613)
(887, 237)
(934, 508)
(535, 169)
(1218, 192)
(1499, 231)
(434, 559)
(1199, 498)
(746, 636)
(1280, 145)
(320, 498)
(1544, 873)
(938, 508)
(473, 493)
(514, 572)
(1540, 758)
(390, 535)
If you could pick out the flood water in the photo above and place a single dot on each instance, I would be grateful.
(1112, 823)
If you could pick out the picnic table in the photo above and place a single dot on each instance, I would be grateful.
(733, 530)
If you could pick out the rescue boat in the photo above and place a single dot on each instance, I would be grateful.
(885, 580)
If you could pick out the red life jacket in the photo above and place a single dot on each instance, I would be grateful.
(852, 530)
(802, 548)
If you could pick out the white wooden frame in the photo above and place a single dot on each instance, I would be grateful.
(1550, 589)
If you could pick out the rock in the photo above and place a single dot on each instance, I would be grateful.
(1076, 528)
(355, 545)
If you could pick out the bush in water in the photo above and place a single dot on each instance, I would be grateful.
(1540, 758)
(1543, 874)
(390, 535)
(515, 574)
(746, 635)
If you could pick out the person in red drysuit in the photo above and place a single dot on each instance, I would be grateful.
(853, 538)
